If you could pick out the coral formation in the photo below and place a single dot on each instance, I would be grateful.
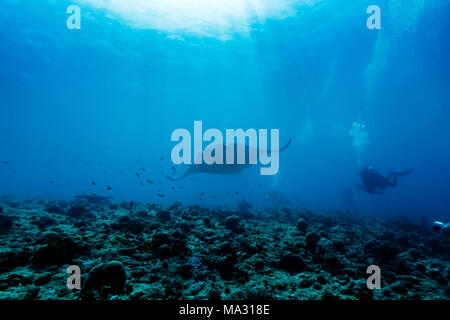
(190, 252)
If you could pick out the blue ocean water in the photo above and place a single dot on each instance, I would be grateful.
(99, 104)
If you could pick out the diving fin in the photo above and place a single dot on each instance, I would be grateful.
(401, 173)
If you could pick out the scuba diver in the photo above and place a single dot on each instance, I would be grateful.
(375, 182)
(443, 228)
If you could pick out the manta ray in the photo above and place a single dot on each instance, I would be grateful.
(224, 169)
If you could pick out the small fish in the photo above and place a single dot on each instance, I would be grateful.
(237, 192)
(173, 168)
(142, 184)
(173, 188)
(131, 204)
(108, 188)
(202, 193)
(93, 183)
(161, 195)
(180, 187)
(93, 194)
(143, 169)
(137, 175)
(149, 181)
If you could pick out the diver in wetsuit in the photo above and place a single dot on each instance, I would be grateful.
(375, 182)
(443, 228)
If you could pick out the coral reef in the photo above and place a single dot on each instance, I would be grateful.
(147, 251)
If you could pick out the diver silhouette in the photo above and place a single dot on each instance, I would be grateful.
(443, 228)
(375, 182)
